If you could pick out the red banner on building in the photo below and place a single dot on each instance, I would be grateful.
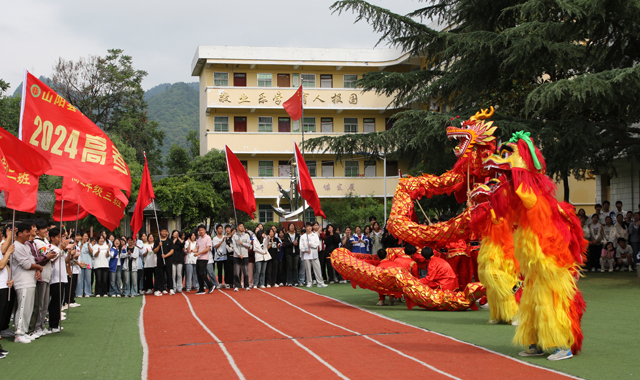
(72, 143)
(20, 174)
(105, 203)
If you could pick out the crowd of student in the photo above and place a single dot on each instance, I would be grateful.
(614, 237)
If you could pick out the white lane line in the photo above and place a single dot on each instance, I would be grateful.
(224, 349)
(367, 337)
(446, 336)
(318, 358)
(143, 340)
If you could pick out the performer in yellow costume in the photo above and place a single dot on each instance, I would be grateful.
(497, 268)
(549, 247)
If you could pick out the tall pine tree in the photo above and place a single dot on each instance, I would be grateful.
(567, 71)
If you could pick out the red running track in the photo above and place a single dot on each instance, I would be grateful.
(292, 333)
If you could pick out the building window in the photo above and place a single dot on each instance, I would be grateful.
(284, 169)
(309, 124)
(327, 168)
(369, 125)
(295, 80)
(265, 124)
(326, 81)
(370, 169)
(220, 79)
(265, 168)
(392, 169)
(221, 123)
(295, 125)
(246, 166)
(350, 80)
(308, 80)
(350, 125)
(351, 168)
(264, 80)
(311, 165)
(326, 124)
(265, 213)
(309, 215)
(240, 79)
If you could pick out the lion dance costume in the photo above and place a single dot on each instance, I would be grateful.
(497, 268)
(549, 247)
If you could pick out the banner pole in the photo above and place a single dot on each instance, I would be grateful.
(302, 152)
(60, 267)
(75, 231)
(13, 232)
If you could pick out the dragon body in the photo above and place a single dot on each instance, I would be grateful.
(475, 143)
(548, 246)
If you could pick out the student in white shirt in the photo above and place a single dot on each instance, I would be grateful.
(191, 248)
(6, 301)
(58, 277)
(101, 258)
(149, 262)
(309, 244)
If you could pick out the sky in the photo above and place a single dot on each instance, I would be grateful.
(162, 36)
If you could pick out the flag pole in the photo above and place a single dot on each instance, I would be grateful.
(302, 129)
(60, 267)
(153, 204)
(13, 233)
(75, 231)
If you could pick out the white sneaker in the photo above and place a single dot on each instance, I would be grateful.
(63, 318)
(235, 289)
(262, 287)
(172, 292)
(247, 289)
(276, 286)
(308, 285)
(165, 292)
(157, 294)
(55, 331)
(601, 270)
(65, 307)
(46, 331)
(149, 291)
(118, 295)
(268, 286)
(314, 282)
(322, 285)
(113, 296)
(40, 333)
(281, 284)
(33, 336)
(255, 286)
(559, 354)
(493, 321)
(21, 339)
(610, 270)
(97, 295)
(74, 305)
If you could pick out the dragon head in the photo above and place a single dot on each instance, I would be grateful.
(518, 153)
(473, 132)
(481, 192)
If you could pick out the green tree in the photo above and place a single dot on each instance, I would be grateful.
(9, 110)
(566, 71)
(178, 160)
(108, 90)
(194, 144)
(192, 200)
(353, 210)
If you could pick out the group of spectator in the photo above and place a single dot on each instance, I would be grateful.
(614, 237)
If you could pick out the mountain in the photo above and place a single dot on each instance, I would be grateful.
(175, 107)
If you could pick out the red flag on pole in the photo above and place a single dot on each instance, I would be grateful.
(22, 167)
(145, 197)
(105, 203)
(305, 184)
(71, 210)
(241, 189)
(293, 106)
(72, 143)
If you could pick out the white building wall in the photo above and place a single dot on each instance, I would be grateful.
(624, 186)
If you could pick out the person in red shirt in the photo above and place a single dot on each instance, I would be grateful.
(440, 275)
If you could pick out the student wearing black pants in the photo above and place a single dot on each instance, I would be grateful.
(102, 281)
(201, 271)
(54, 305)
(163, 249)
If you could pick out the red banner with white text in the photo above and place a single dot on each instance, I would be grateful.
(106, 204)
(71, 142)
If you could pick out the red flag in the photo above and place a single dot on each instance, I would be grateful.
(305, 184)
(71, 210)
(293, 106)
(22, 167)
(105, 203)
(241, 189)
(72, 143)
(145, 196)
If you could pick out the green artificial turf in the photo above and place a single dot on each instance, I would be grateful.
(100, 340)
(610, 325)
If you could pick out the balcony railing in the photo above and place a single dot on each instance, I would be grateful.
(329, 187)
